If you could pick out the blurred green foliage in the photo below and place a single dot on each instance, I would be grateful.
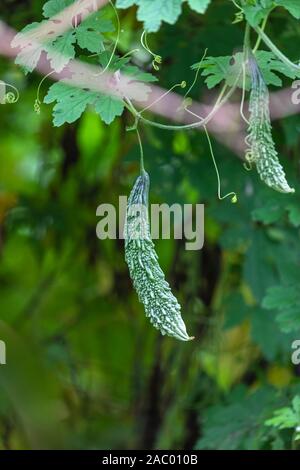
(84, 367)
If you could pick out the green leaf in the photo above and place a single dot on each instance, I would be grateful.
(281, 297)
(88, 33)
(53, 7)
(256, 13)
(59, 46)
(284, 418)
(216, 69)
(30, 52)
(293, 6)
(121, 64)
(200, 6)
(286, 300)
(227, 68)
(138, 74)
(287, 417)
(236, 425)
(288, 320)
(270, 213)
(61, 50)
(266, 334)
(108, 108)
(268, 63)
(71, 102)
(125, 3)
(154, 12)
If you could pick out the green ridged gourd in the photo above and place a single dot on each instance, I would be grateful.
(161, 307)
(262, 151)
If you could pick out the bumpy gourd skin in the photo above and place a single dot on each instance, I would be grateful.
(154, 292)
(262, 150)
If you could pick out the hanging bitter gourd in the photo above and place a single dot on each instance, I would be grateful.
(161, 307)
(262, 151)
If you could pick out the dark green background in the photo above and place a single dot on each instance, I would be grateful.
(85, 369)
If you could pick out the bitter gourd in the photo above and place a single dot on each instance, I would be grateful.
(161, 307)
(262, 151)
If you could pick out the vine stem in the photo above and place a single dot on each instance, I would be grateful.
(116, 41)
(219, 103)
(275, 49)
(264, 24)
(247, 44)
(194, 125)
(141, 150)
(247, 47)
(246, 53)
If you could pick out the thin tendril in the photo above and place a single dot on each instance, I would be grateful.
(37, 100)
(129, 53)
(220, 100)
(239, 16)
(182, 85)
(247, 140)
(122, 57)
(220, 197)
(141, 150)
(232, 193)
(196, 75)
(10, 97)
(237, 6)
(263, 26)
(157, 59)
(116, 41)
(247, 166)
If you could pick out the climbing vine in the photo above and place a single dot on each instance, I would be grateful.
(113, 82)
